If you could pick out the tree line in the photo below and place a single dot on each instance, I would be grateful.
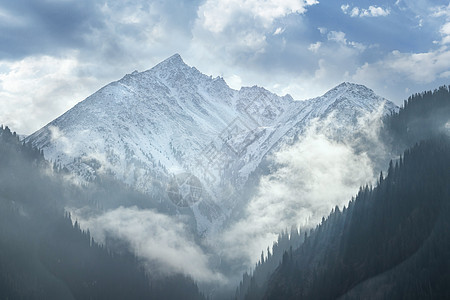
(44, 254)
(392, 240)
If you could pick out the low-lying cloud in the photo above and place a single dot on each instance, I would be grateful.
(155, 237)
(311, 178)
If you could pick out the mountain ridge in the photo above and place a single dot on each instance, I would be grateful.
(149, 126)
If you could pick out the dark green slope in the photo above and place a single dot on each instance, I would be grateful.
(43, 255)
(392, 241)
(397, 232)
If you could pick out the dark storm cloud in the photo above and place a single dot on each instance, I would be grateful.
(45, 27)
(30, 27)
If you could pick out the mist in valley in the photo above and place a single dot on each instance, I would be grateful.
(322, 169)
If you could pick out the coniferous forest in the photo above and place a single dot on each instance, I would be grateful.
(391, 241)
(45, 255)
(224, 149)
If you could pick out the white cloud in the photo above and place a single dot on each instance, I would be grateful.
(413, 71)
(418, 68)
(372, 11)
(156, 238)
(335, 59)
(216, 15)
(375, 11)
(445, 74)
(234, 81)
(354, 12)
(445, 32)
(224, 38)
(279, 30)
(441, 11)
(337, 36)
(58, 137)
(314, 175)
(360, 47)
(445, 29)
(239, 30)
(420, 23)
(37, 89)
(345, 7)
(322, 30)
(133, 35)
(314, 47)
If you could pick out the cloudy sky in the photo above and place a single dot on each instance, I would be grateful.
(54, 53)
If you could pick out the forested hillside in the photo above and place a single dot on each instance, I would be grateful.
(422, 116)
(391, 241)
(394, 238)
(44, 255)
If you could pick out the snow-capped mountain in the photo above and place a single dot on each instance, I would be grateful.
(150, 126)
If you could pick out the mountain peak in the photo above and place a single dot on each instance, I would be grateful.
(172, 117)
(173, 67)
(174, 61)
(349, 85)
(176, 58)
(349, 88)
(354, 95)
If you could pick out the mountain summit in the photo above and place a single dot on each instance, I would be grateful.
(174, 59)
(150, 126)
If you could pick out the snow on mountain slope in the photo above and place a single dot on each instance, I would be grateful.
(172, 119)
